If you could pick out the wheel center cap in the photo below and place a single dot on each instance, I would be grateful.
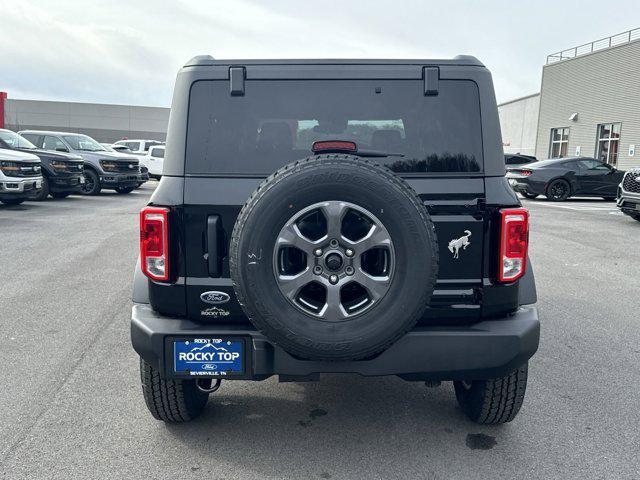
(333, 261)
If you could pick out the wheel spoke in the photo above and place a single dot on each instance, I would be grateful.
(290, 285)
(333, 213)
(375, 286)
(291, 236)
(333, 309)
(377, 237)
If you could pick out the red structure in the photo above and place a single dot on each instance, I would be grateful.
(3, 97)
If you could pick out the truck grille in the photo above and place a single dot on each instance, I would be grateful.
(128, 167)
(74, 167)
(631, 182)
(27, 170)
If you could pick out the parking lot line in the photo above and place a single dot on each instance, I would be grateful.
(578, 207)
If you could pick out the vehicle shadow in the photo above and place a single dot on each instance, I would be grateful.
(375, 426)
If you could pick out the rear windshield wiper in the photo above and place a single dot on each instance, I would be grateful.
(377, 153)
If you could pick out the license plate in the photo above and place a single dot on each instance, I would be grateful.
(208, 357)
(81, 180)
(637, 206)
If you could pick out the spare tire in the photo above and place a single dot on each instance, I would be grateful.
(334, 258)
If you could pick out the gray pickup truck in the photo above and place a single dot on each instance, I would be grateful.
(102, 169)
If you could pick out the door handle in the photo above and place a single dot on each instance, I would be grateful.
(214, 245)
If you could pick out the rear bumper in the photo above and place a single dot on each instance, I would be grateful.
(487, 349)
(525, 185)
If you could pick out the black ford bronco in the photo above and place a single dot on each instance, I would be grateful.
(334, 216)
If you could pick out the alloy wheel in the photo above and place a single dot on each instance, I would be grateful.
(334, 260)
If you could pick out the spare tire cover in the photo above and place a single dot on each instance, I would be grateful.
(334, 258)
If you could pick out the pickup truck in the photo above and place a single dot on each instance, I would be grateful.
(20, 176)
(102, 169)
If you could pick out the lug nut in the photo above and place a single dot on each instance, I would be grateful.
(317, 270)
(333, 279)
(349, 270)
(348, 252)
(317, 252)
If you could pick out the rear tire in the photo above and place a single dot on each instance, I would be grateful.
(493, 401)
(44, 192)
(91, 185)
(172, 401)
(558, 190)
(12, 201)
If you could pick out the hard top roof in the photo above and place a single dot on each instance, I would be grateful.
(208, 60)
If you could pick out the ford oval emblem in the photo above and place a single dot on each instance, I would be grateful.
(215, 298)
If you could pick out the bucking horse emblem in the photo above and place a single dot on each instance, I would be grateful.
(457, 243)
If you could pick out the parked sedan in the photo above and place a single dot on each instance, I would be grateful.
(561, 178)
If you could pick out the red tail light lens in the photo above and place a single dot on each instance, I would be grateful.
(514, 243)
(154, 242)
(526, 173)
(333, 146)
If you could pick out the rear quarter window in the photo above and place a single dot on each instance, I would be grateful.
(33, 138)
(277, 121)
(157, 152)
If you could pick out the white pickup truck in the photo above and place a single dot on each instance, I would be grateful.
(154, 160)
(20, 176)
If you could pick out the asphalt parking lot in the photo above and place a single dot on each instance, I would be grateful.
(71, 405)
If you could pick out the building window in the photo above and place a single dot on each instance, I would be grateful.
(559, 142)
(608, 141)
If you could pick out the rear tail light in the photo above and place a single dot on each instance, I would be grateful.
(154, 242)
(526, 173)
(325, 146)
(514, 243)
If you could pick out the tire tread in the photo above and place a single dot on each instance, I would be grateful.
(496, 400)
(172, 401)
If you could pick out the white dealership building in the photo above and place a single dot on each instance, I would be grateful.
(588, 105)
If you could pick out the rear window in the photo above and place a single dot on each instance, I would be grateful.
(157, 152)
(150, 144)
(277, 121)
(33, 138)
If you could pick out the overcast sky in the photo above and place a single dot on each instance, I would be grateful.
(128, 52)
